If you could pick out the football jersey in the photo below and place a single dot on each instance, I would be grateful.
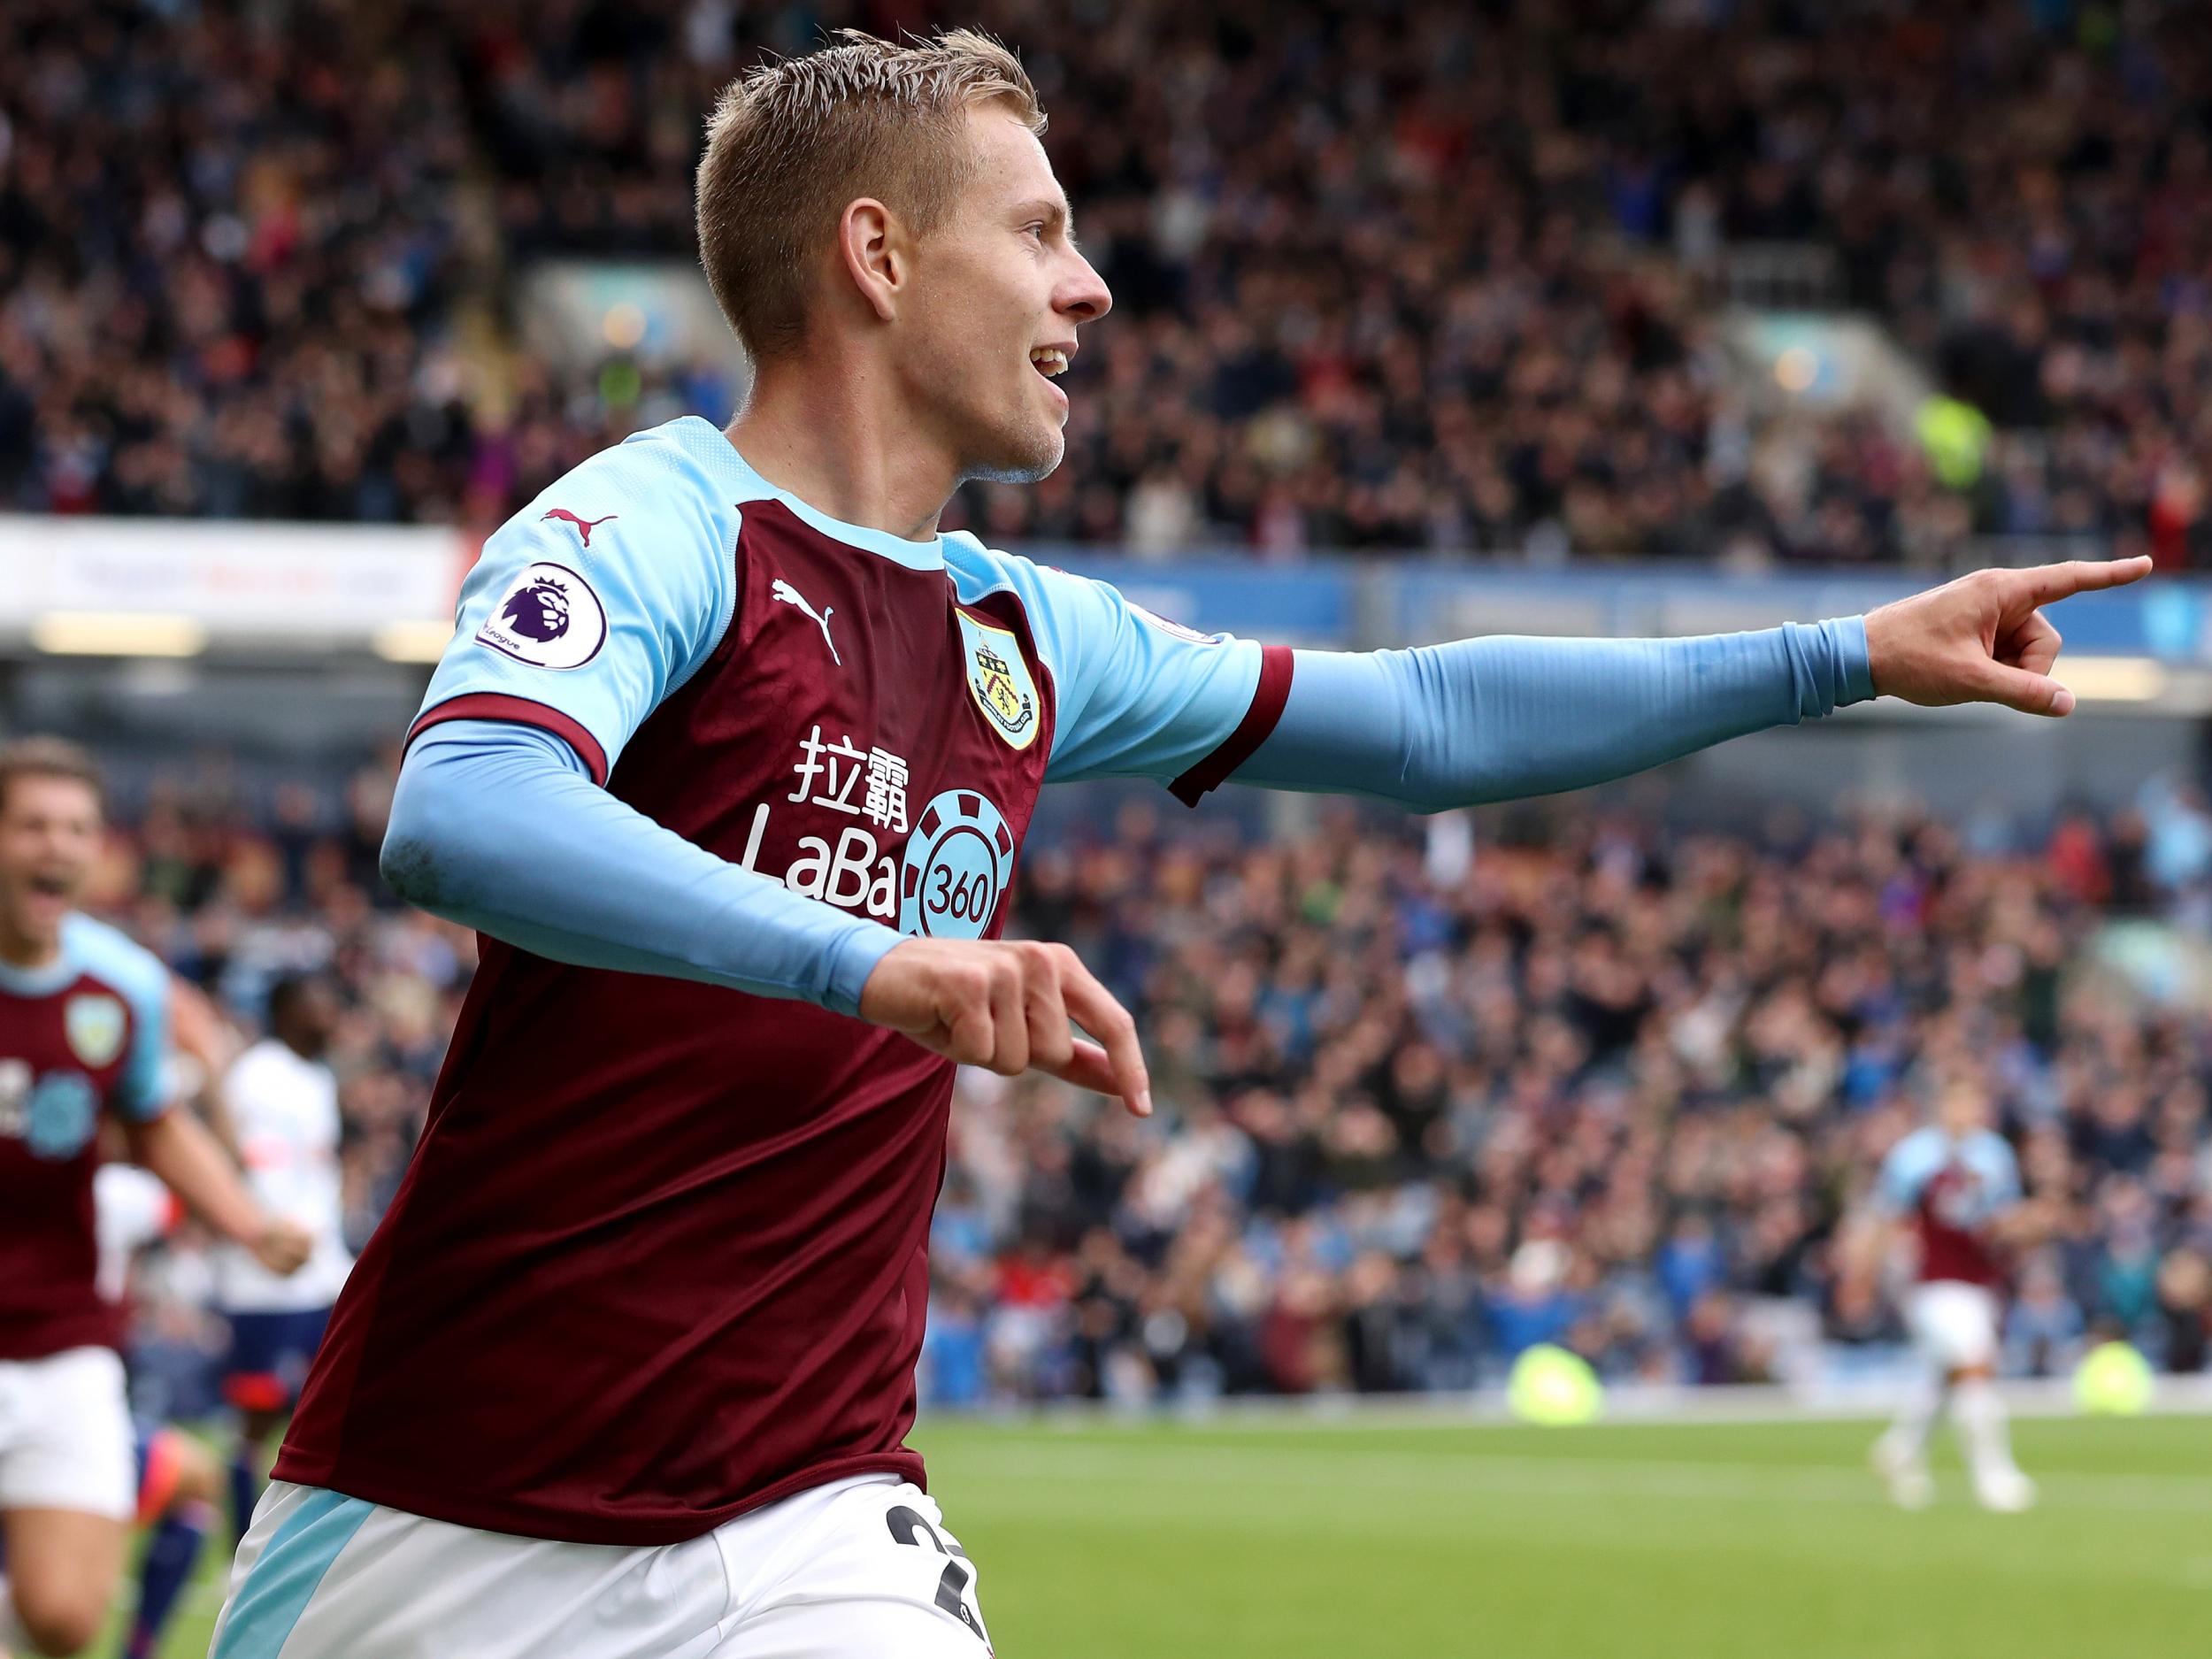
(81, 1036)
(1953, 1192)
(284, 1108)
(660, 1255)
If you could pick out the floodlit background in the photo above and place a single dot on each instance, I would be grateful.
(1431, 320)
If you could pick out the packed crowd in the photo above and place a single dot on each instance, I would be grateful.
(1425, 1096)
(1414, 275)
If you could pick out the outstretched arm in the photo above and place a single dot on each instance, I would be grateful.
(497, 827)
(1493, 720)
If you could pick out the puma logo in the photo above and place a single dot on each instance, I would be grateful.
(790, 596)
(583, 525)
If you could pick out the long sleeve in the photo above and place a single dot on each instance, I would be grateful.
(496, 825)
(1493, 720)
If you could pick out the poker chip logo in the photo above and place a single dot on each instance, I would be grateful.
(957, 864)
(61, 1114)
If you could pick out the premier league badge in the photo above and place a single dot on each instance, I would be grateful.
(998, 678)
(547, 617)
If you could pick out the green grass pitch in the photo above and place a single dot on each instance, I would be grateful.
(1356, 1540)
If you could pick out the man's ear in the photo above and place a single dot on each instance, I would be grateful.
(873, 249)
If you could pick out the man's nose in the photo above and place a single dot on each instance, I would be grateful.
(1087, 298)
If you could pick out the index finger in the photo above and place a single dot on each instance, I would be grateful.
(2048, 583)
(1094, 1009)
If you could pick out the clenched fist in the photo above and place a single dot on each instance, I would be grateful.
(1006, 1006)
(1984, 638)
(282, 1246)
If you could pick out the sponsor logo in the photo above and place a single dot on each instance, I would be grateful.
(946, 882)
(549, 617)
(999, 680)
(957, 864)
(584, 526)
(94, 1026)
(785, 592)
(60, 1115)
(15, 1094)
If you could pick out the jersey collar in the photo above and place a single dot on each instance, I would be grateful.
(56, 975)
(706, 439)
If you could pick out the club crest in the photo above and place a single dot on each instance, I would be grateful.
(94, 1026)
(999, 680)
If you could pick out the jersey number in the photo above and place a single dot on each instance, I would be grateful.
(908, 1528)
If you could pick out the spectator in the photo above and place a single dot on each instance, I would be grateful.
(1425, 275)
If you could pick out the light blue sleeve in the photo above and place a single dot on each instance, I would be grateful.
(1138, 697)
(139, 977)
(590, 607)
(1905, 1171)
(1497, 718)
(495, 825)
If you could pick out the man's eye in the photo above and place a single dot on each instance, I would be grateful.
(1036, 230)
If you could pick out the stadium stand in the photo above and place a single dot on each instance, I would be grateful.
(1425, 1097)
(1459, 292)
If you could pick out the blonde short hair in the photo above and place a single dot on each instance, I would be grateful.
(791, 143)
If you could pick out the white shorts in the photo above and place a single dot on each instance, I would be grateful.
(66, 1434)
(858, 1568)
(1954, 1323)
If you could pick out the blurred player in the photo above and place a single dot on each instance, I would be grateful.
(280, 1103)
(731, 760)
(179, 1484)
(82, 1019)
(1955, 1184)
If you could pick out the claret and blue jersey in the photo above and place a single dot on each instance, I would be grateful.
(585, 615)
(1953, 1192)
(661, 1254)
(80, 1038)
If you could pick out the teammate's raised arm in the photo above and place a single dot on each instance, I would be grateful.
(177, 1148)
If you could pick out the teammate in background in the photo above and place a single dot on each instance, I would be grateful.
(179, 1484)
(729, 760)
(82, 1033)
(1955, 1184)
(280, 1105)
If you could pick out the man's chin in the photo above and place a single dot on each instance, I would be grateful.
(37, 917)
(1022, 457)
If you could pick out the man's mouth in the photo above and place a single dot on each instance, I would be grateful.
(1050, 361)
(48, 885)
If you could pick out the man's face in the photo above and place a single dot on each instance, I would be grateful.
(1963, 1111)
(313, 1018)
(49, 833)
(997, 287)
